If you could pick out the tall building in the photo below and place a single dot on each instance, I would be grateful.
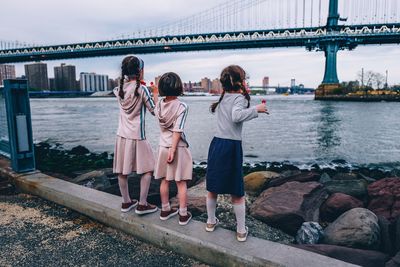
(6, 72)
(92, 82)
(293, 83)
(206, 84)
(216, 87)
(65, 78)
(36, 74)
(265, 82)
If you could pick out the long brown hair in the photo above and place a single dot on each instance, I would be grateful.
(131, 67)
(232, 79)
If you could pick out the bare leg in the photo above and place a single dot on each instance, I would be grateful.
(182, 192)
(164, 192)
(144, 187)
(211, 207)
(240, 212)
(123, 187)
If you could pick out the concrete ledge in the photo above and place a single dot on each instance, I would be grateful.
(219, 248)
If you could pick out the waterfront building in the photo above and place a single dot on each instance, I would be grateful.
(6, 72)
(112, 83)
(92, 82)
(36, 74)
(65, 78)
(265, 81)
(216, 87)
(206, 84)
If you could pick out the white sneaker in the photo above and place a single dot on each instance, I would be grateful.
(210, 227)
(242, 237)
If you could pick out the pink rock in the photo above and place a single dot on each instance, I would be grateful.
(337, 204)
(385, 198)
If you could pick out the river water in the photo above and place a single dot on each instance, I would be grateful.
(298, 130)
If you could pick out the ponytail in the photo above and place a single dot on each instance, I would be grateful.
(121, 92)
(215, 105)
(246, 95)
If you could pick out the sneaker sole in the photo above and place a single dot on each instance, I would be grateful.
(146, 211)
(212, 229)
(184, 223)
(243, 239)
(169, 216)
(130, 208)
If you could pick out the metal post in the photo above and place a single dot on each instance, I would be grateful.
(19, 125)
(331, 76)
(333, 17)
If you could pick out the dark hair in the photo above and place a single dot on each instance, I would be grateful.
(232, 79)
(131, 67)
(170, 84)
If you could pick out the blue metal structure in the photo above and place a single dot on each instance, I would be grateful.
(18, 144)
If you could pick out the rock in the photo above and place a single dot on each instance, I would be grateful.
(366, 178)
(289, 173)
(339, 161)
(196, 196)
(94, 179)
(385, 198)
(255, 181)
(386, 245)
(394, 262)
(357, 228)
(325, 178)
(79, 150)
(337, 204)
(396, 230)
(309, 233)
(289, 205)
(355, 188)
(345, 176)
(300, 177)
(365, 258)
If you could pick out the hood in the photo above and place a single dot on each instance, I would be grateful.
(167, 112)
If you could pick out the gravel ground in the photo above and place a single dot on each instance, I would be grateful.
(36, 232)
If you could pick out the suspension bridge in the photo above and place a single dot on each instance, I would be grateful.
(317, 25)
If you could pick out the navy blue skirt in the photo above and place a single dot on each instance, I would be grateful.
(225, 167)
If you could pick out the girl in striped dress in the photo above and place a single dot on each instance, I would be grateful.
(174, 161)
(132, 151)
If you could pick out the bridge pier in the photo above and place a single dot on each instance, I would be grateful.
(330, 82)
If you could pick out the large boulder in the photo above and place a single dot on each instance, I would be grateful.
(385, 198)
(337, 204)
(394, 262)
(309, 233)
(345, 176)
(386, 244)
(357, 228)
(289, 205)
(361, 257)
(355, 188)
(255, 181)
(95, 179)
(196, 199)
(298, 177)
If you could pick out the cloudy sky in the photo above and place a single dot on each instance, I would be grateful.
(52, 22)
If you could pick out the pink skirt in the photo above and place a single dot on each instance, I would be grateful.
(180, 169)
(132, 155)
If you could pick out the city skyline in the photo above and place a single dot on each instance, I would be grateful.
(74, 24)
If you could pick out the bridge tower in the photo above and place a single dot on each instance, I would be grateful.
(330, 48)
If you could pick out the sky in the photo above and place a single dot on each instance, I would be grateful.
(55, 22)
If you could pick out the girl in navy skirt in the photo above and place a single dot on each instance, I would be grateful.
(225, 156)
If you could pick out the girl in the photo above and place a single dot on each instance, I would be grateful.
(132, 151)
(225, 156)
(174, 161)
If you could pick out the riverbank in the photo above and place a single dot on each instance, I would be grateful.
(359, 98)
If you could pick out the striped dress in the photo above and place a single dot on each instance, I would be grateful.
(172, 117)
(133, 152)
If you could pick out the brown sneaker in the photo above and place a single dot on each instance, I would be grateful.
(125, 207)
(183, 220)
(210, 227)
(145, 209)
(165, 215)
(242, 237)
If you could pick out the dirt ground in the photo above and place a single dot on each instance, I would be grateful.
(35, 232)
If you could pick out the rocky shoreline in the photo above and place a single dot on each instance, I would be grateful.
(343, 211)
